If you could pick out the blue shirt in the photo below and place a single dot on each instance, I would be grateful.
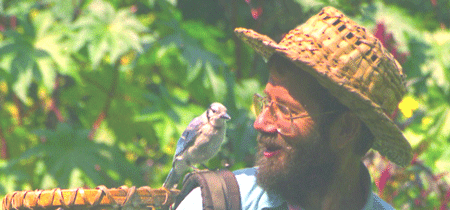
(254, 197)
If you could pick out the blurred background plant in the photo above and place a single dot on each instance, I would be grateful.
(98, 92)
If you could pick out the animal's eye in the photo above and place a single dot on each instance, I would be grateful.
(214, 110)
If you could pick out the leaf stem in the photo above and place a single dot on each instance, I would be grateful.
(237, 42)
(4, 150)
(111, 93)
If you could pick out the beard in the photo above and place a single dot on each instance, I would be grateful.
(299, 166)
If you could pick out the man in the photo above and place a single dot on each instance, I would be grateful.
(331, 88)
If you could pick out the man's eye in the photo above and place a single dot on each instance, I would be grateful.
(284, 110)
(294, 113)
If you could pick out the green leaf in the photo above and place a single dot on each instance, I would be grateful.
(97, 50)
(6, 58)
(37, 54)
(165, 131)
(107, 32)
(241, 134)
(442, 164)
(49, 182)
(441, 53)
(215, 83)
(24, 78)
(19, 63)
(210, 38)
(190, 47)
(72, 159)
(50, 38)
(437, 136)
(244, 92)
(20, 8)
(63, 9)
(47, 71)
(120, 119)
(193, 71)
(173, 65)
(8, 181)
(397, 20)
(307, 5)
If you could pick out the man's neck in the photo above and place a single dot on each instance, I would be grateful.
(346, 190)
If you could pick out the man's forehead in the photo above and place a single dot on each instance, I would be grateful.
(282, 68)
(279, 62)
(297, 82)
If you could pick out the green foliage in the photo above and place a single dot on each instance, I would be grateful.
(98, 92)
(107, 32)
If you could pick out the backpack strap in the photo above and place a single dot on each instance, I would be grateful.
(219, 189)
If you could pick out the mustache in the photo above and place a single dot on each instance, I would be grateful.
(271, 142)
(265, 138)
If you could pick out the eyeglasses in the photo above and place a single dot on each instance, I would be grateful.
(281, 114)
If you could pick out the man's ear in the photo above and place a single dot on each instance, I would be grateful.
(344, 129)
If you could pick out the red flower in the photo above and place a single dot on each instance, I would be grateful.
(388, 41)
(13, 22)
(256, 12)
(433, 2)
(380, 31)
(385, 176)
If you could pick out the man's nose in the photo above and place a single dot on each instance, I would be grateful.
(265, 122)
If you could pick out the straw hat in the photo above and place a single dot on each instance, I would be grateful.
(353, 65)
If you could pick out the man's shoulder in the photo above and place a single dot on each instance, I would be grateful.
(246, 179)
(252, 195)
(246, 174)
(248, 187)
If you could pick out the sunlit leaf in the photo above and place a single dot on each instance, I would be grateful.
(22, 84)
(48, 182)
(443, 165)
(21, 64)
(20, 9)
(47, 71)
(50, 39)
(413, 138)
(41, 48)
(310, 4)
(441, 52)
(107, 32)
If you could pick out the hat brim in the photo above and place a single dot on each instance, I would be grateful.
(389, 140)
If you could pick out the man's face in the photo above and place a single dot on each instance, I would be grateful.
(303, 158)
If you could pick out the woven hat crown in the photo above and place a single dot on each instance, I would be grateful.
(353, 65)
